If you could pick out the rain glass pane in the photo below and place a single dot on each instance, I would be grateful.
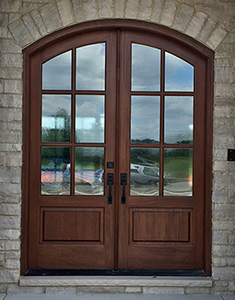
(178, 172)
(55, 171)
(90, 67)
(56, 73)
(90, 118)
(89, 171)
(145, 68)
(56, 118)
(178, 120)
(144, 172)
(179, 75)
(145, 118)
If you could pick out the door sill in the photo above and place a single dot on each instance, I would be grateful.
(111, 272)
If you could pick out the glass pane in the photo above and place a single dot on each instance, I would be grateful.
(56, 73)
(145, 68)
(90, 67)
(179, 75)
(56, 118)
(90, 118)
(178, 172)
(89, 171)
(55, 171)
(178, 120)
(145, 118)
(144, 172)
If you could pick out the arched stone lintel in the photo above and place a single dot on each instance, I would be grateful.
(53, 17)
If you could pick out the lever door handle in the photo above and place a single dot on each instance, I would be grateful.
(123, 183)
(110, 183)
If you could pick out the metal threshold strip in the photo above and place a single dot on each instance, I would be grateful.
(112, 272)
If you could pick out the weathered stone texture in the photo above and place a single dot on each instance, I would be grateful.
(196, 24)
(217, 36)
(29, 23)
(77, 8)
(183, 17)
(157, 10)
(60, 290)
(65, 11)
(10, 5)
(119, 8)
(105, 8)
(90, 9)
(38, 21)
(163, 290)
(20, 33)
(168, 13)
(145, 10)
(50, 17)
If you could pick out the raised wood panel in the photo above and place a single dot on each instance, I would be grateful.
(156, 225)
(72, 225)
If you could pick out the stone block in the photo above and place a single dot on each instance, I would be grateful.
(219, 261)
(9, 46)
(10, 114)
(119, 8)
(4, 32)
(10, 222)
(77, 9)
(219, 237)
(65, 11)
(14, 160)
(157, 10)
(38, 21)
(10, 73)
(12, 264)
(231, 195)
(232, 22)
(184, 14)
(52, 23)
(220, 196)
(13, 86)
(231, 165)
(196, 24)
(220, 122)
(3, 19)
(168, 13)
(221, 250)
(145, 10)
(231, 286)
(222, 74)
(11, 60)
(225, 130)
(133, 290)
(60, 290)
(232, 239)
(105, 8)
(9, 276)
(223, 62)
(223, 273)
(213, 10)
(28, 6)
(224, 141)
(29, 23)
(163, 290)
(224, 211)
(10, 147)
(10, 188)
(10, 5)
(9, 234)
(10, 209)
(223, 225)
(11, 101)
(20, 33)
(100, 290)
(197, 290)
(15, 289)
(217, 36)
(90, 9)
(12, 254)
(9, 245)
(132, 7)
(219, 166)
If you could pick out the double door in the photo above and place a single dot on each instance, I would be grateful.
(116, 169)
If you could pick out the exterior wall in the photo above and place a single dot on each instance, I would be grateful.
(211, 22)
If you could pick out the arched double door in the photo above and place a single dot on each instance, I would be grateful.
(117, 153)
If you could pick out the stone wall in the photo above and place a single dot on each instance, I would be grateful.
(211, 22)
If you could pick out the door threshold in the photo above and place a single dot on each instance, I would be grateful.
(112, 272)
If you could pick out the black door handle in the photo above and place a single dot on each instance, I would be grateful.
(110, 183)
(123, 183)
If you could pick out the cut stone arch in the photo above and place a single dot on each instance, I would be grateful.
(183, 18)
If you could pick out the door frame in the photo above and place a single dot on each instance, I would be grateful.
(137, 26)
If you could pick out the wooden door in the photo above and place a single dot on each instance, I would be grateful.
(117, 153)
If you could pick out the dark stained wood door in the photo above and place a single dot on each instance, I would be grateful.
(124, 104)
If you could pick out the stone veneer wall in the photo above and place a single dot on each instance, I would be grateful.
(211, 22)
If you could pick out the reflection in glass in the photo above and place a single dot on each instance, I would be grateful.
(179, 75)
(56, 73)
(56, 118)
(144, 172)
(145, 68)
(178, 120)
(90, 118)
(89, 171)
(145, 118)
(178, 172)
(90, 67)
(55, 171)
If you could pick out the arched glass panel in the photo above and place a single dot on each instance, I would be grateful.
(56, 73)
(179, 75)
(145, 68)
(90, 67)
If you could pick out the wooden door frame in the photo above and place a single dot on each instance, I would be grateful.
(140, 26)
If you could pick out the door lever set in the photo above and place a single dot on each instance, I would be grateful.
(110, 183)
(123, 183)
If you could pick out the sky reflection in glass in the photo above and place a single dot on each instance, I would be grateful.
(178, 128)
(90, 67)
(56, 73)
(179, 75)
(145, 68)
(145, 119)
